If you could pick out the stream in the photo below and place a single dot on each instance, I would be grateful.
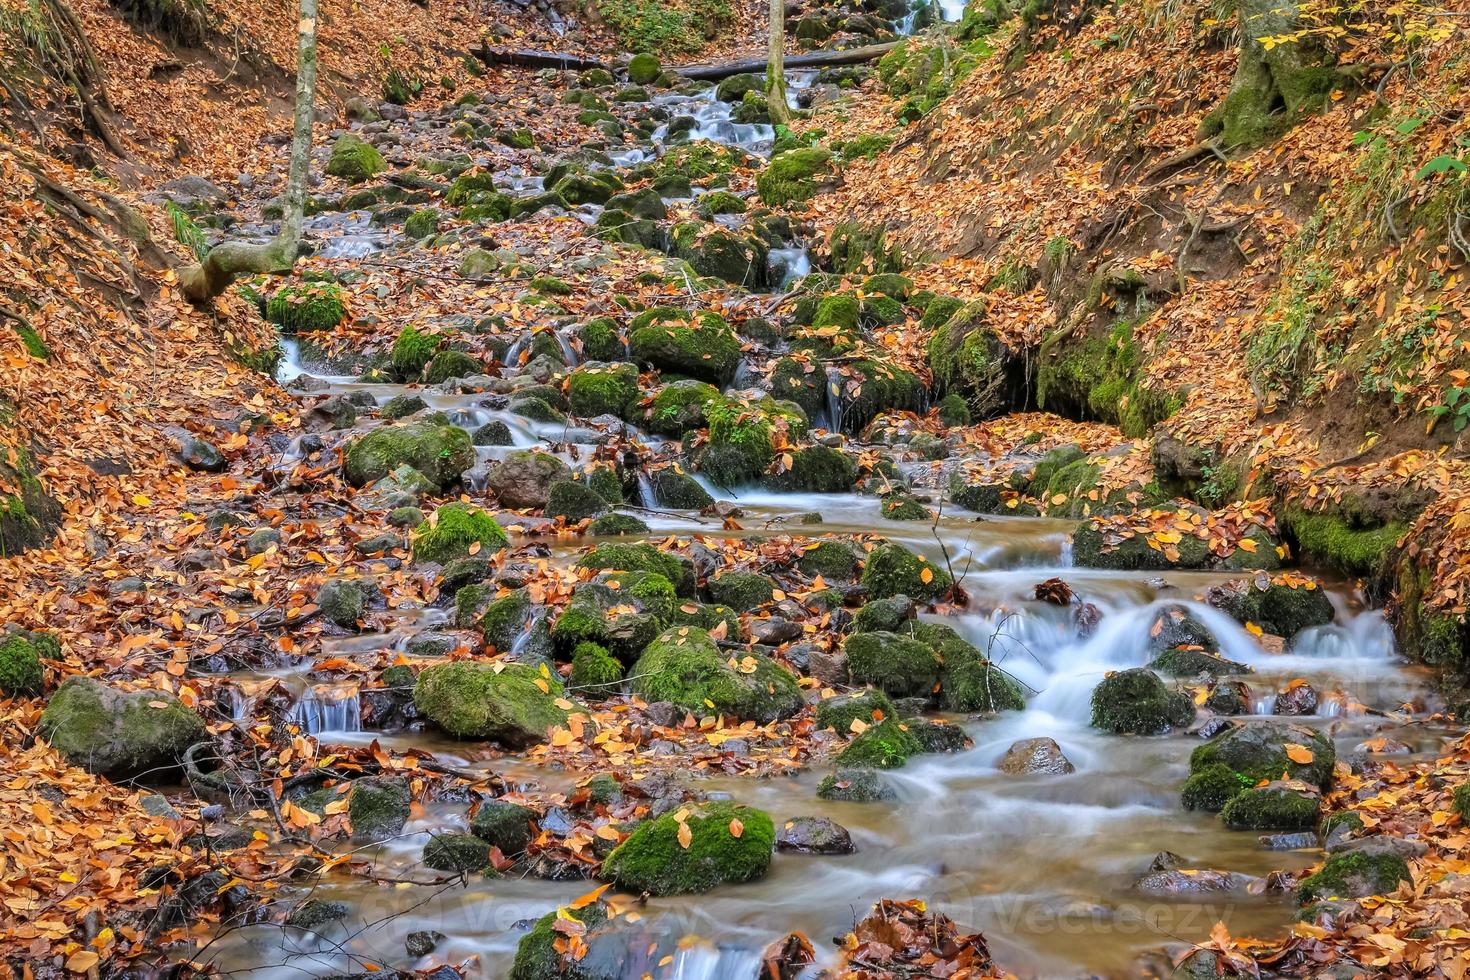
(1044, 866)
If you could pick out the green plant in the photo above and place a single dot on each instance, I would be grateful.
(188, 234)
(1454, 400)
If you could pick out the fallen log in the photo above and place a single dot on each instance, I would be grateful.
(528, 58)
(714, 71)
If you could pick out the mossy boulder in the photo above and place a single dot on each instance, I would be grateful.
(508, 826)
(601, 614)
(1355, 874)
(412, 352)
(354, 160)
(737, 256)
(854, 784)
(900, 507)
(815, 469)
(672, 488)
(574, 501)
(1093, 548)
(453, 531)
(343, 600)
(1137, 702)
(423, 223)
(539, 955)
(1211, 787)
(741, 591)
(1185, 662)
(1271, 807)
(603, 389)
(1262, 751)
(892, 569)
(967, 357)
(508, 703)
(895, 663)
(685, 666)
(457, 853)
(599, 340)
(1348, 543)
(680, 407)
(447, 364)
(793, 177)
(430, 445)
(1281, 609)
(643, 69)
(891, 615)
(701, 346)
(596, 673)
(642, 558)
(377, 808)
(969, 682)
(505, 619)
(834, 561)
(119, 734)
(21, 674)
(886, 745)
(869, 706)
(654, 859)
(617, 524)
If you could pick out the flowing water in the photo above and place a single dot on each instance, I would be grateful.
(1044, 866)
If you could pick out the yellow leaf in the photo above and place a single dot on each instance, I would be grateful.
(82, 960)
(141, 501)
(1253, 629)
(858, 726)
(545, 687)
(1299, 754)
(926, 575)
(686, 836)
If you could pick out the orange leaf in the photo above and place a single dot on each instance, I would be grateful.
(736, 827)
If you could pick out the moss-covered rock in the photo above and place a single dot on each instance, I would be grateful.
(1093, 548)
(1211, 787)
(574, 501)
(1271, 807)
(1185, 662)
(642, 558)
(890, 615)
(539, 955)
(453, 531)
(116, 733)
(457, 853)
(617, 524)
(447, 364)
(741, 591)
(886, 745)
(429, 444)
(897, 664)
(900, 507)
(970, 682)
(412, 352)
(423, 223)
(792, 177)
(524, 478)
(1261, 752)
(869, 706)
(737, 256)
(377, 808)
(1136, 702)
(834, 561)
(595, 672)
(603, 389)
(514, 704)
(654, 860)
(855, 785)
(506, 825)
(506, 618)
(1351, 547)
(892, 569)
(680, 491)
(1355, 874)
(306, 307)
(699, 346)
(354, 160)
(680, 407)
(685, 666)
(21, 674)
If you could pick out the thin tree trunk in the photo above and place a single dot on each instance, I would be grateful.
(228, 260)
(776, 66)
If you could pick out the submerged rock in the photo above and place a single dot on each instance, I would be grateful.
(814, 835)
(1035, 756)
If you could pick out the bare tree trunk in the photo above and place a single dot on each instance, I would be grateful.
(776, 65)
(226, 261)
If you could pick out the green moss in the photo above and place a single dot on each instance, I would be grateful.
(459, 853)
(680, 407)
(969, 682)
(119, 734)
(642, 558)
(1270, 808)
(791, 177)
(1183, 662)
(658, 28)
(574, 501)
(643, 69)
(608, 390)
(505, 619)
(892, 569)
(504, 824)
(654, 860)
(514, 705)
(741, 443)
(617, 524)
(1343, 822)
(377, 808)
(451, 364)
(1136, 702)
(1258, 753)
(721, 202)
(600, 340)
(685, 666)
(354, 160)
(887, 745)
(838, 310)
(453, 531)
(899, 665)
(855, 785)
(306, 307)
(1211, 787)
(741, 591)
(835, 561)
(904, 508)
(21, 674)
(1333, 541)
(698, 346)
(595, 671)
(1355, 874)
(537, 957)
(868, 706)
(1282, 610)
(430, 445)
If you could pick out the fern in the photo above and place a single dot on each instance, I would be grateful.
(188, 234)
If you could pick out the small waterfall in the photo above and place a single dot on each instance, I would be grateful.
(789, 263)
(646, 496)
(834, 400)
(327, 708)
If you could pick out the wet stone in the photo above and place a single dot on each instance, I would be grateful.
(814, 835)
(1035, 757)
